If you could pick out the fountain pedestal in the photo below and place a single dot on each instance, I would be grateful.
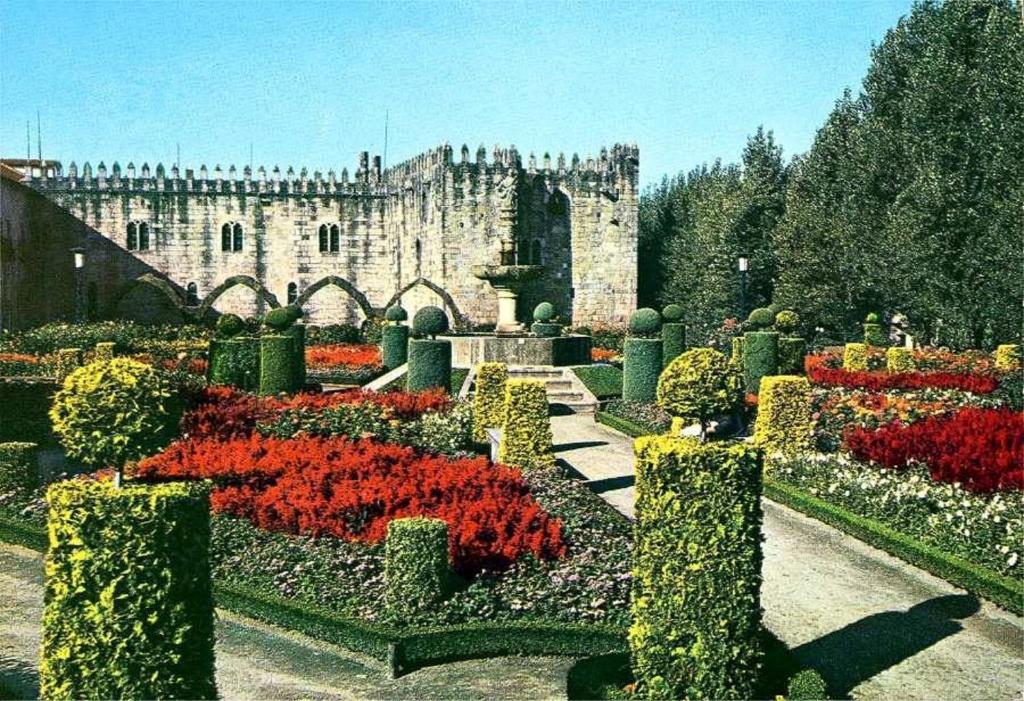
(507, 281)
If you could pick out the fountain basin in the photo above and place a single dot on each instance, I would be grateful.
(467, 351)
(506, 275)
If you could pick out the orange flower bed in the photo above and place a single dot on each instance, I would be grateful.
(346, 355)
(604, 355)
(19, 358)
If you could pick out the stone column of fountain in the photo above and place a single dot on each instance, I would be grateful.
(507, 280)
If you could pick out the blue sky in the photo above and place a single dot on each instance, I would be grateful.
(308, 84)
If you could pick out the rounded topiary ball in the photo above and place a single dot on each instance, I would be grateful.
(278, 319)
(787, 320)
(544, 312)
(430, 321)
(761, 318)
(229, 325)
(294, 311)
(698, 385)
(775, 308)
(396, 313)
(672, 313)
(645, 322)
(872, 318)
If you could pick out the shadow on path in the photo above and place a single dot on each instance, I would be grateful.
(857, 652)
(18, 679)
(609, 484)
(562, 447)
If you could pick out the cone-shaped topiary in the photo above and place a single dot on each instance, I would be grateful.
(294, 311)
(699, 385)
(786, 321)
(429, 321)
(278, 319)
(544, 312)
(229, 325)
(396, 313)
(761, 318)
(672, 312)
(645, 322)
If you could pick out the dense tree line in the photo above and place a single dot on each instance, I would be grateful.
(910, 200)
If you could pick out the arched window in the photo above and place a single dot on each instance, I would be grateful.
(335, 238)
(192, 295)
(523, 252)
(225, 237)
(143, 236)
(323, 238)
(133, 236)
(419, 256)
(535, 253)
(293, 292)
(237, 237)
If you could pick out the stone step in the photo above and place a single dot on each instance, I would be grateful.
(556, 385)
(563, 397)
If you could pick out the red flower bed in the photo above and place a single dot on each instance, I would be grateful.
(983, 449)
(346, 355)
(819, 372)
(225, 413)
(351, 490)
(604, 355)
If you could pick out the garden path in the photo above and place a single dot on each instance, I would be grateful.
(260, 661)
(874, 626)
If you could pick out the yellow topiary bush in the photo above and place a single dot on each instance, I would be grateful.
(855, 357)
(68, 360)
(105, 350)
(783, 422)
(899, 359)
(699, 385)
(1008, 357)
(489, 399)
(526, 429)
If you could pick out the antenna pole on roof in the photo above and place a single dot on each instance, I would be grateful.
(386, 113)
(28, 140)
(39, 139)
(177, 156)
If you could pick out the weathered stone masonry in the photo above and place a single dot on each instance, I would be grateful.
(410, 232)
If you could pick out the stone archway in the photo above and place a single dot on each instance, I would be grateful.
(244, 280)
(333, 280)
(458, 317)
(161, 285)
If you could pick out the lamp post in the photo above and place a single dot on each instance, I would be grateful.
(743, 263)
(79, 254)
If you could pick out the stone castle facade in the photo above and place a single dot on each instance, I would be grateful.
(345, 248)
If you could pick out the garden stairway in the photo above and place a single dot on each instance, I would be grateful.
(564, 389)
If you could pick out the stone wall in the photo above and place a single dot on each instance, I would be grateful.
(410, 232)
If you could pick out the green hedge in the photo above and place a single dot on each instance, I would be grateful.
(430, 364)
(237, 363)
(129, 601)
(620, 424)
(603, 381)
(673, 342)
(760, 357)
(277, 361)
(697, 569)
(416, 564)
(1007, 592)
(297, 332)
(641, 367)
(792, 350)
(25, 405)
(546, 329)
(526, 428)
(874, 335)
(19, 467)
(394, 345)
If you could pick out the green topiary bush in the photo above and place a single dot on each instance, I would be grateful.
(544, 312)
(430, 364)
(871, 318)
(19, 467)
(792, 351)
(774, 308)
(525, 428)
(416, 565)
(396, 314)
(68, 360)
(641, 367)
(229, 325)
(546, 329)
(760, 357)
(238, 363)
(787, 321)
(673, 341)
(761, 318)
(104, 350)
(699, 385)
(129, 600)
(645, 323)
(874, 333)
(807, 685)
(489, 399)
(855, 357)
(278, 319)
(294, 312)
(394, 345)
(277, 364)
(429, 321)
(697, 558)
(112, 412)
(899, 359)
(1007, 357)
(672, 313)
(297, 332)
(783, 423)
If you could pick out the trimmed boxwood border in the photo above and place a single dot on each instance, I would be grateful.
(404, 650)
(620, 424)
(1004, 591)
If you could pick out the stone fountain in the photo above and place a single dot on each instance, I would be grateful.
(507, 279)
